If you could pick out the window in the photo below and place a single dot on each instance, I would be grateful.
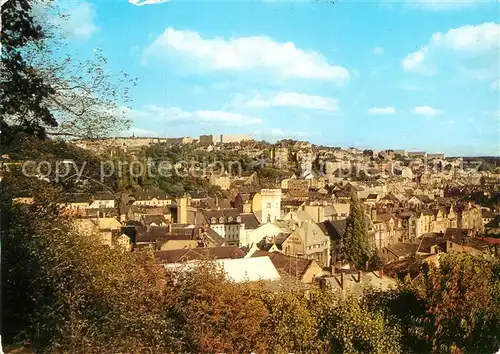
(221, 220)
(213, 220)
(268, 205)
(238, 219)
(230, 219)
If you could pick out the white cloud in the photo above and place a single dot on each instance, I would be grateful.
(80, 22)
(426, 111)
(146, 2)
(246, 53)
(480, 38)
(479, 41)
(414, 61)
(382, 110)
(176, 115)
(288, 99)
(77, 20)
(378, 50)
(441, 5)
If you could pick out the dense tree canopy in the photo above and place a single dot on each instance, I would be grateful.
(453, 308)
(355, 245)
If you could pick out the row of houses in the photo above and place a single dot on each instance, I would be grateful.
(296, 223)
(236, 220)
(430, 245)
(274, 268)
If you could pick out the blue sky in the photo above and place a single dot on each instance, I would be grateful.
(400, 74)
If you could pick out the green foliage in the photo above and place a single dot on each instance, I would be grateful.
(272, 174)
(346, 327)
(45, 93)
(23, 148)
(491, 200)
(197, 165)
(64, 292)
(355, 246)
(487, 163)
(212, 315)
(453, 308)
(463, 304)
(290, 324)
(404, 309)
(375, 263)
(19, 79)
(234, 163)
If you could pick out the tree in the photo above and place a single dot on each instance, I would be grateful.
(64, 292)
(45, 93)
(355, 247)
(375, 263)
(291, 325)
(404, 309)
(212, 315)
(19, 79)
(53, 151)
(368, 152)
(453, 308)
(463, 304)
(344, 326)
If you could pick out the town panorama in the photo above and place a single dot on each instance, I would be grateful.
(250, 177)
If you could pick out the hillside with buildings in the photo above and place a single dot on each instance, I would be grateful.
(281, 222)
(118, 239)
(290, 197)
